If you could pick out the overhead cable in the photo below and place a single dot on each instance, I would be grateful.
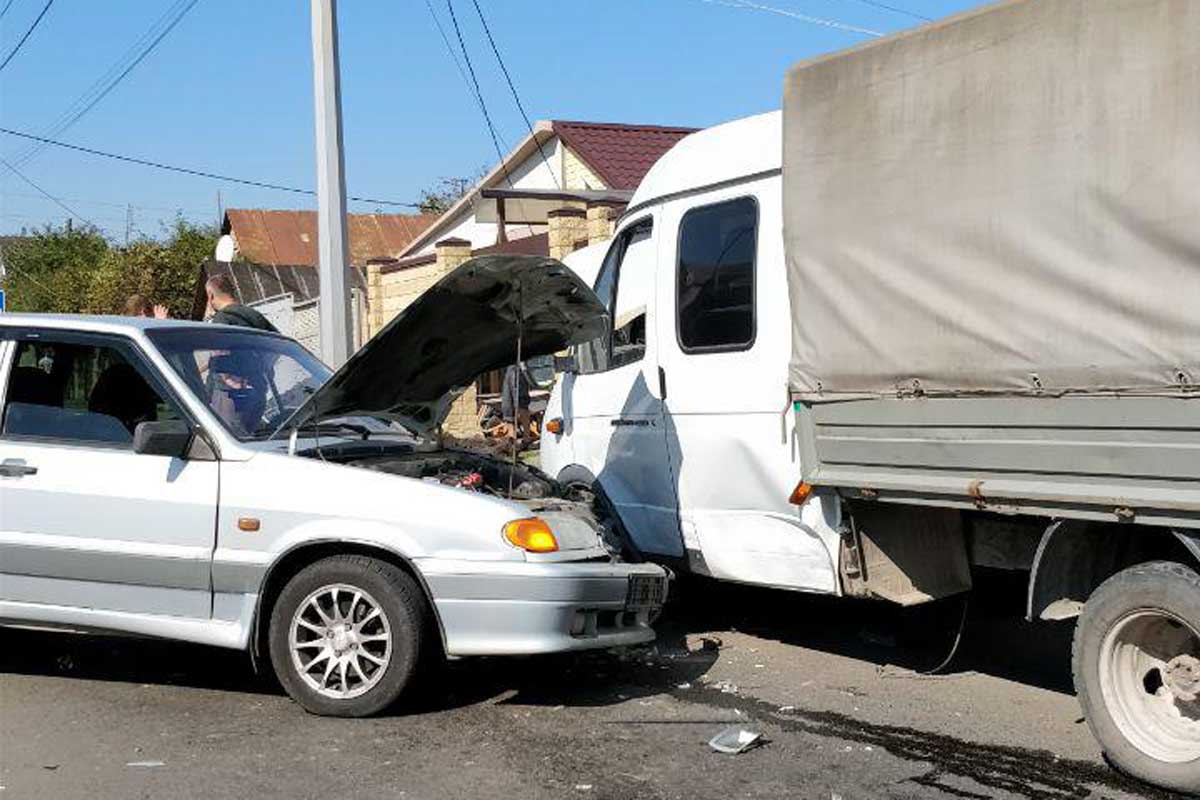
(103, 85)
(199, 173)
(21, 42)
(512, 88)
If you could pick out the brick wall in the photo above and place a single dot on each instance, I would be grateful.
(578, 175)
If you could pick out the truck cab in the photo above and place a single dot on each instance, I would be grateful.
(692, 372)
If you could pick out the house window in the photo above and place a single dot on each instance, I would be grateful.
(625, 285)
(715, 277)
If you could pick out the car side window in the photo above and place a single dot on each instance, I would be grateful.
(79, 393)
(624, 286)
(715, 277)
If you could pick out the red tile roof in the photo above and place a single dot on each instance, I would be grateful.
(290, 237)
(620, 154)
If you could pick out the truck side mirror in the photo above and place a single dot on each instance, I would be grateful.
(168, 438)
(564, 363)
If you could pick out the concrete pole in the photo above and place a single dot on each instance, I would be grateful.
(332, 246)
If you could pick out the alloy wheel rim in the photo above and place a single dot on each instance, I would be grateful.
(1148, 666)
(341, 641)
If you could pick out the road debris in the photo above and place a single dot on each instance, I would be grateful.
(735, 739)
(146, 764)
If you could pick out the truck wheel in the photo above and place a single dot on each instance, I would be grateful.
(346, 635)
(1136, 661)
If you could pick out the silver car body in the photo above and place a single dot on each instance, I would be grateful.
(101, 537)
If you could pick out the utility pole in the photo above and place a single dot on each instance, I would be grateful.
(332, 247)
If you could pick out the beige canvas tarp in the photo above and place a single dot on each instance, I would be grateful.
(1006, 202)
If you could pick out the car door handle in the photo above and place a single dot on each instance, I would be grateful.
(621, 422)
(15, 468)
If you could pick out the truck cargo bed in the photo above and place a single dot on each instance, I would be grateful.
(1106, 458)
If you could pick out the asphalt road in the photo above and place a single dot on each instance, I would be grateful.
(828, 684)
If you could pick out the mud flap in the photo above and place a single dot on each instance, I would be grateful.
(904, 554)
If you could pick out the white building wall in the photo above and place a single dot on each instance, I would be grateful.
(532, 173)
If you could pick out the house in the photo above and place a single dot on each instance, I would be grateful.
(561, 188)
(274, 264)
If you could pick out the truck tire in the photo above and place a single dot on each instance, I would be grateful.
(346, 635)
(1136, 663)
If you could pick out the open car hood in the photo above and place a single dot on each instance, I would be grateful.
(465, 324)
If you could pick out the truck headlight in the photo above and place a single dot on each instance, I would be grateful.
(532, 534)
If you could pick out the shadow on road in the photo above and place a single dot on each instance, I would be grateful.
(576, 679)
(873, 632)
(996, 640)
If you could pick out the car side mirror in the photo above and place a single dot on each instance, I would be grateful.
(564, 363)
(169, 438)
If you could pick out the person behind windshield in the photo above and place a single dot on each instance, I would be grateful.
(237, 390)
(226, 310)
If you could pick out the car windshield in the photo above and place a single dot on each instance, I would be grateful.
(252, 381)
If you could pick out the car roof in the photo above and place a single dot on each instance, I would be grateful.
(96, 323)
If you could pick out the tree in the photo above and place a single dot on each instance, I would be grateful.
(76, 270)
(448, 191)
(51, 270)
(164, 271)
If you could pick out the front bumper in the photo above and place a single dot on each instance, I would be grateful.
(522, 608)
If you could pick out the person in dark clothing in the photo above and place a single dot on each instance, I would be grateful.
(228, 311)
(514, 400)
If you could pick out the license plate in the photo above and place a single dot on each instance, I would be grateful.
(645, 591)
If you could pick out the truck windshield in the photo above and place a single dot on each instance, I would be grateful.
(252, 381)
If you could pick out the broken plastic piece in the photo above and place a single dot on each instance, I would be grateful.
(734, 740)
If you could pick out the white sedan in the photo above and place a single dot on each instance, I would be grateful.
(217, 485)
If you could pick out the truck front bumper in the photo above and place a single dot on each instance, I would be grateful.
(522, 608)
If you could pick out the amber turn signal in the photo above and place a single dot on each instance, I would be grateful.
(248, 524)
(532, 534)
(800, 494)
(555, 425)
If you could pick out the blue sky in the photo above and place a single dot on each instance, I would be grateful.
(229, 90)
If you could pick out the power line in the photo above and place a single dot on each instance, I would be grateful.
(513, 89)
(4, 10)
(894, 9)
(449, 47)
(17, 48)
(199, 173)
(478, 93)
(822, 21)
(49, 196)
(115, 74)
(113, 204)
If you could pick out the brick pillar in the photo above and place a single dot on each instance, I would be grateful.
(463, 417)
(566, 227)
(374, 298)
(601, 220)
(451, 253)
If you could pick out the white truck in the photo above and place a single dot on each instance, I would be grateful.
(951, 289)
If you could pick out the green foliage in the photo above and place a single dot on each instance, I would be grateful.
(75, 270)
(447, 192)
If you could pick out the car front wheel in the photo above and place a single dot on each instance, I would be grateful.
(346, 635)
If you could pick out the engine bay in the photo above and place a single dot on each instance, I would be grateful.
(585, 513)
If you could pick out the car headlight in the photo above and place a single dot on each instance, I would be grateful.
(532, 534)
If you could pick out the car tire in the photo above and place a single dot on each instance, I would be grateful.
(1135, 653)
(347, 634)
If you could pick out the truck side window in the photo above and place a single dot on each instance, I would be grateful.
(624, 285)
(715, 278)
(79, 393)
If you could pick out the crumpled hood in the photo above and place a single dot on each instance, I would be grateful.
(464, 325)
